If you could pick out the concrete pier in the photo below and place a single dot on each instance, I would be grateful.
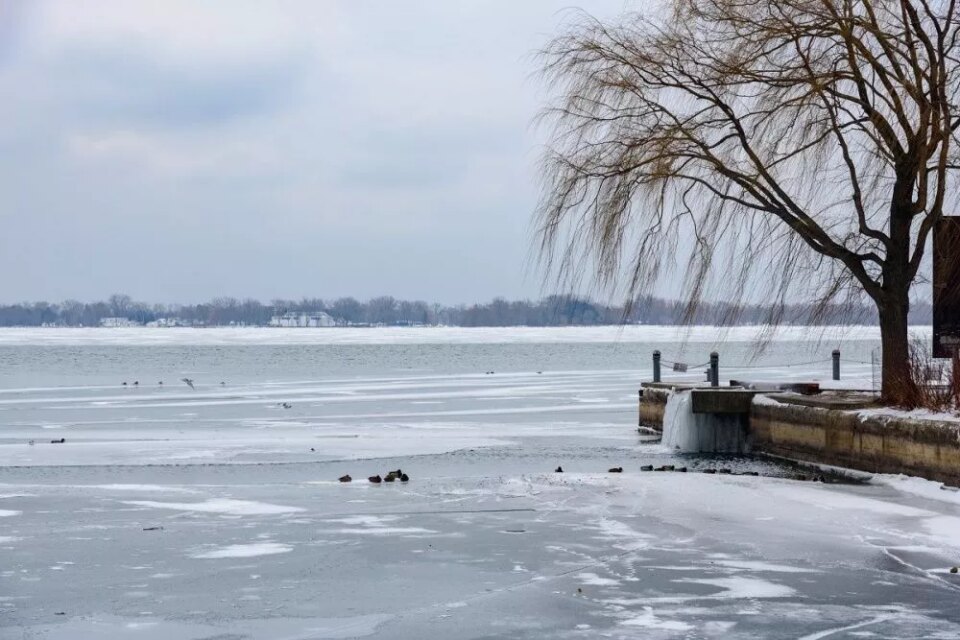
(828, 429)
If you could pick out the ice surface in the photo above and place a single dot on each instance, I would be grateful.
(217, 513)
(147, 628)
(144, 488)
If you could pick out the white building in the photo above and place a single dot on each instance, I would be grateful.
(118, 322)
(168, 322)
(315, 319)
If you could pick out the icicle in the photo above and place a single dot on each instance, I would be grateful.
(688, 432)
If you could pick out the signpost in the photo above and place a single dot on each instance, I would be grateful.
(946, 287)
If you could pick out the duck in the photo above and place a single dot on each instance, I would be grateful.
(404, 477)
(390, 477)
(646, 467)
(375, 479)
(616, 470)
(559, 470)
(346, 478)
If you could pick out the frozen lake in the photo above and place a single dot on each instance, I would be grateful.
(215, 512)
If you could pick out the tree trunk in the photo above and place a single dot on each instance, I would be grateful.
(898, 386)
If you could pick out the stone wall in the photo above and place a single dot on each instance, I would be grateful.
(878, 444)
(872, 443)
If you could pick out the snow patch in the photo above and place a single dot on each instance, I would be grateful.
(945, 529)
(626, 538)
(753, 565)
(386, 531)
(365, 521)
(221, 505)
(244, 551)
(146, 488)
(915, 414)
(594, 580)
(827, 498)
(648, 620)
(739, 587)
(918, 487)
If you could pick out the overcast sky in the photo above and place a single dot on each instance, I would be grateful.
(178, 151)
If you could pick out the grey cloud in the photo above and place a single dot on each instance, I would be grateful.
(389, 153)
(133, 86)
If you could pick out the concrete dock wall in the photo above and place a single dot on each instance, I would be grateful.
(878, 444)
(872, 443)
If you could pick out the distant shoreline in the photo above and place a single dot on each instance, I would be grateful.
(120, 311)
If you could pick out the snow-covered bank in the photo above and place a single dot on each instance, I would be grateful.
(427, 335)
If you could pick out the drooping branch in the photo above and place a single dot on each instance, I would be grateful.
(828, 120)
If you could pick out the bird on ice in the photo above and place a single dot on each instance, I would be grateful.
(189, 383)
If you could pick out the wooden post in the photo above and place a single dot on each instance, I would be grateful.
(836, 364)
(714, 369)
(656, 366)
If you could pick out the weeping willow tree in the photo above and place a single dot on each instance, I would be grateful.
(805, 146)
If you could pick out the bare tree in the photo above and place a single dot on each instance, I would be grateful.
(814, 142)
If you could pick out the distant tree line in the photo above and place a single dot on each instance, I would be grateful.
(556, 310)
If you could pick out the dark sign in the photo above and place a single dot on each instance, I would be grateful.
(946, 287)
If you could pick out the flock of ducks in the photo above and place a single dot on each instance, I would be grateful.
(186, 381)
(670, 467)
(391, 476)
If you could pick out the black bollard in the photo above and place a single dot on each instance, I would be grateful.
(656, 366)
(836, 364)
(714, 369)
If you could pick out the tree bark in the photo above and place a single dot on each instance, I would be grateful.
(898, 386)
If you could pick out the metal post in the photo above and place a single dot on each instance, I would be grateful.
(836, 364)
(656, 366)
(714, 369)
